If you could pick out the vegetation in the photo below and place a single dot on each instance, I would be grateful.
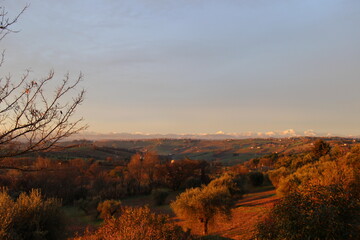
(97, 186)
(203, 204)
(318, 179)
(109, 208)
(321, 196)
(30, 216)
(138, 223)
(32, 120)
(319, 212)
(27, 110)
(321, 148)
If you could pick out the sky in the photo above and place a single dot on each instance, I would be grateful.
(198, 66)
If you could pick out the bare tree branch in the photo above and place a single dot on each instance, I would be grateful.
(6, 23)
(30, 119)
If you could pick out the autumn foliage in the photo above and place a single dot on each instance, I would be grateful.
(30, 216)
(201, 205)
(138, 223)
(321, 198)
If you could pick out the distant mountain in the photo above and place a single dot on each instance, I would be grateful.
(220, 135)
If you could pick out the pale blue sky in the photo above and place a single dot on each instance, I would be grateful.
(193, 66)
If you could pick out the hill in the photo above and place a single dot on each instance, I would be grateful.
(228, 152)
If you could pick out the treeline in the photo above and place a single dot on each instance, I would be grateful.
(80, 179)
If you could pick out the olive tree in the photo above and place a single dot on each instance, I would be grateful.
(203, 204)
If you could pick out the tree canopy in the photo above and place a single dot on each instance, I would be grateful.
(203, 204)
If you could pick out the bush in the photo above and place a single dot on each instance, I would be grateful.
(138, 223)
(30, 217)
(109, 208)
(159, 196)
(319, 212)
(323, 173)
(234, 185)
(277, 174)
(321, 148)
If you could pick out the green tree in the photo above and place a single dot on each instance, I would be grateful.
(203, 204)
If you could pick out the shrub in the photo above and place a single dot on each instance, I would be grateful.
(277, 174)
(138, 223)
(234, 185)
(319, 212)
(321, 148)
(323, 173)
(109, 208)
(30, 217)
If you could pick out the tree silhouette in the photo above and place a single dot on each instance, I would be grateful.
(31, 119)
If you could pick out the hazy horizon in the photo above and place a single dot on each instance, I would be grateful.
(198, 66)
(289, 133)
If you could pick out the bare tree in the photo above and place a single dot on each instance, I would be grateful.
(31, 119)
(6, 22)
